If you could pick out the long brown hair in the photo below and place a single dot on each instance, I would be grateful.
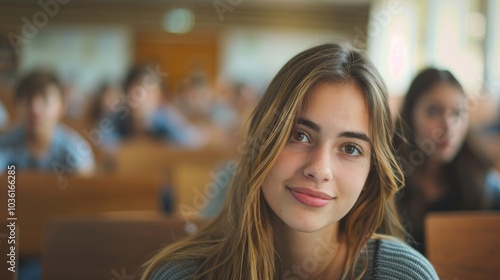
(238, 244)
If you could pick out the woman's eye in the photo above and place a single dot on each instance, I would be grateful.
(300, 136)
(352, 150)
(458, 112)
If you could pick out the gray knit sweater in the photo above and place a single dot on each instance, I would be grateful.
(388, 259)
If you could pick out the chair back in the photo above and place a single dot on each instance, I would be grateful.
(464, 245)
(107, 246)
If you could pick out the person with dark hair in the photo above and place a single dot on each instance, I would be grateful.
(145, 112)
(101, 105)
(443, 170)
(313, 192)
(40, 141)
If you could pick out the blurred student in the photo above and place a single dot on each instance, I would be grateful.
(40, 141)
(222, 113)
(195, 97)
(101, 111)
(145, 112)
(102, 104)
(442, 169)
(241, 99)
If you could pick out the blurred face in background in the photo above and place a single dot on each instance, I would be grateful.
(441, 122)
(42, 111)
(144, 96)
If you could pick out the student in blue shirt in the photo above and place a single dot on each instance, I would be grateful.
(40, 142)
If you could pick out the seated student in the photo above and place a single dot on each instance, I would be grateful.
(40, 141)
(443, 170)
(146, 113)
(101, 111)
(312, 197)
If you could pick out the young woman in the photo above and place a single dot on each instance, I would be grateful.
(443, 172)
(312, 197)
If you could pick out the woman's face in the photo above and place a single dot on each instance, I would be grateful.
(319, 175)
(440, 122)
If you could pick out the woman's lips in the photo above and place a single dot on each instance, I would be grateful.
(310, 197)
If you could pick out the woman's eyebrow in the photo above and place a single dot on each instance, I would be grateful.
(358, 135)
(347, 134)
(312, 125)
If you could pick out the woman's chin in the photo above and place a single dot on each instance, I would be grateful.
(307, 226)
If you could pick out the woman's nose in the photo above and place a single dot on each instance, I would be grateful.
(319, 167)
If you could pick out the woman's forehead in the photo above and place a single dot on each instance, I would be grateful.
(338, 106)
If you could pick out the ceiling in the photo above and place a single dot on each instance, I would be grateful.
(146, 14)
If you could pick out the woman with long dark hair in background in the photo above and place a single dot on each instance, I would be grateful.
(443, 170)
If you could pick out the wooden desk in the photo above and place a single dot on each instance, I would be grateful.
(42, 196)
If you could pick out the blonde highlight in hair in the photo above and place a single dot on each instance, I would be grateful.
(238, 243)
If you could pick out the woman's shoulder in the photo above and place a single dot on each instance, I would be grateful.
(394, 259)
(175, 271)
